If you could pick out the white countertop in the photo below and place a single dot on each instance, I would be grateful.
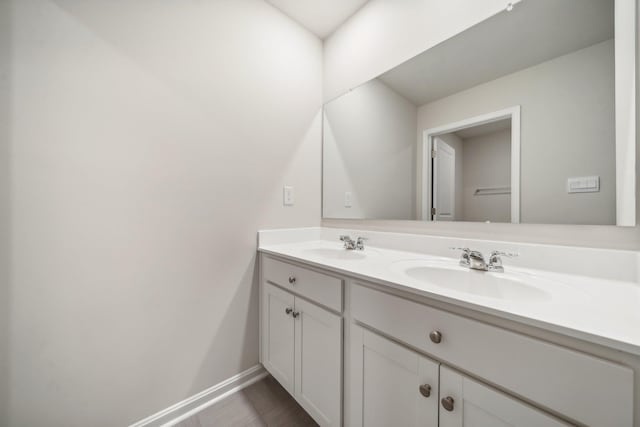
(600, 310)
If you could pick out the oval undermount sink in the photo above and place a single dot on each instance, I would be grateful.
(335, 253)
(448, 275)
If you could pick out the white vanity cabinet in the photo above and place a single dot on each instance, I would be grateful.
(392, 385)
(278, 335)
(465, 402)
(318, 364)
(587, 389)
(301, 340)
(408, 363)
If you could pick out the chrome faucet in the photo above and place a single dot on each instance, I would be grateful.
(350, 244)
(475, 260)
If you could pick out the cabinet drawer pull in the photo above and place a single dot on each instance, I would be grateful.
(288, 310)
(447, 403)
(295, 314)
(425, 390)
(435, 336)
(292, 280)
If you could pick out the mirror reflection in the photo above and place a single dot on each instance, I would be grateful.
(510, 121)
(461, 160)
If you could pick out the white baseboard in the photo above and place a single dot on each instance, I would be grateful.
(198, 402)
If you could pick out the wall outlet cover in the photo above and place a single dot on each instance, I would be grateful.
(288, 198)
(348, 199)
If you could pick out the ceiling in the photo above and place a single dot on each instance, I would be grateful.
(534, 32)
(321, 17)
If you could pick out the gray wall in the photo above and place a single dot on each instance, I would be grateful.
(567, 130)
(149, 141)
(486, 163)
(5, 306)
(369, 149)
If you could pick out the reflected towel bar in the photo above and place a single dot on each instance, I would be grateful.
(490, 191)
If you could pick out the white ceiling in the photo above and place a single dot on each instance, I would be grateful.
(534, 32)
(321, 17)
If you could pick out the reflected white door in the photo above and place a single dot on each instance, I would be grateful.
(444, 180)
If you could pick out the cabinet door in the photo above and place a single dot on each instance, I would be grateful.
(390, 384)
(473, 404)
(318, 373)
(278, 334)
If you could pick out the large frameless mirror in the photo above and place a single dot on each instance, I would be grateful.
(512, 120)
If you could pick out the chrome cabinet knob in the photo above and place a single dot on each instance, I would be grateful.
(425, 390)
(447, 403)
(288, 310)
(435, 336)
(292, 280)
(295, 314)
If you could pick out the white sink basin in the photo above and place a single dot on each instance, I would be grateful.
(336, 253)
(447, 274)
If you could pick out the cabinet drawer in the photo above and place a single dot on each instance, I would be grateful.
(321, 288)
(589, 390)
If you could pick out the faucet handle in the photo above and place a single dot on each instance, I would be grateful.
(505, 254)
(345, 237)
(464, 258)
(495, 260)
(360, 243)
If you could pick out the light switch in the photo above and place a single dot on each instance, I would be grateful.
(348, 199)
(288, 196)
(583, 184)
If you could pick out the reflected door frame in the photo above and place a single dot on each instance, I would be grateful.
(424, 168)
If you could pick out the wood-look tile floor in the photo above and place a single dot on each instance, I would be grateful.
(263, 404)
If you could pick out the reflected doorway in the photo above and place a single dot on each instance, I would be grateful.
(471, 169)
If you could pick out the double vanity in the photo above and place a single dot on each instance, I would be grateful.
(403, 330)
(525, 117)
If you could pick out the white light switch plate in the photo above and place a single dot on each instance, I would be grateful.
(583, 184)
(288, 196)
